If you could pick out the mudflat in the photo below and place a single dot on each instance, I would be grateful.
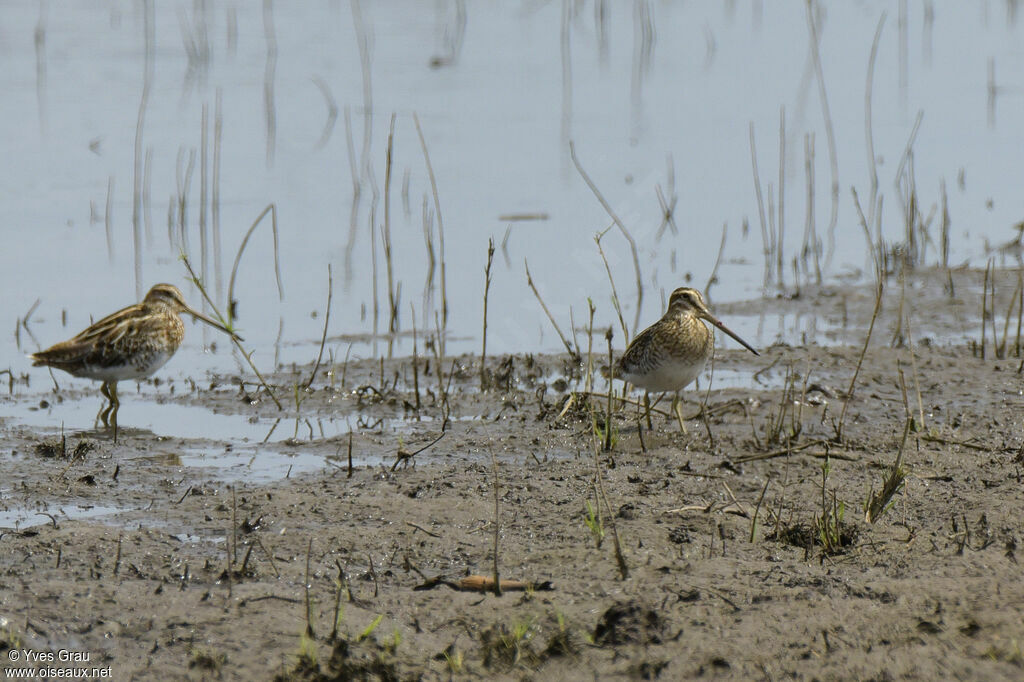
(736, 548)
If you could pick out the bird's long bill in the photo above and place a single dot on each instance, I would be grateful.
(718, 323)
(212, 322)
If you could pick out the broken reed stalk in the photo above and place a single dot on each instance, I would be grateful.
(757, 509)
(327, 318)
(487, 291)
(415, 358)
(608, 410)
(386, 239)
(218, 125)
(588, 384)
(1003, 352)
(270, 110)
(944, 238)
(565, 341)
(1020, 311)
(876, 255)
(713, 277)
(877, 504)
(765, 239)
(611, 280)
(860, 361)
(439, 361)
(494, 469)
(622, 228)
(440, 222)
(869, 137)
(703, 408)
(829, 132)
(227, 323)
(810, 245)
(204, 182)
(913, 367)
(620, 559)
(428, 238)
(992, 308)
(108, 224)
(309, 601)
(984, 306)
(149, 32)
(373, 261)
(782, 197)
(272, 210)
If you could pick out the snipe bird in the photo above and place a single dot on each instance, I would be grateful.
(672, 352)
(130, 344)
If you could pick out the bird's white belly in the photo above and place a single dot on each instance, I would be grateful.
(128, 370)
(669, 376)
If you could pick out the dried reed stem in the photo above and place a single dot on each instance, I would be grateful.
(860, 360)
(622, 228)
(565, 342)
(487, 291)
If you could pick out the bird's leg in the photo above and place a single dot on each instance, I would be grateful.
(640, 426)
(677, 410)
(647, 409)
(107, 405)
(115, 404)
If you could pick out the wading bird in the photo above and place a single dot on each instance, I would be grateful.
(130, 344)
(672, 352)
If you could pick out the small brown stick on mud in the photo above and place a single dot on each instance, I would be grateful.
(565, 342)
(481, 583)
(327, 319)
(622, 228)
(860, 361)
(419, 527)
(227, 323)
(487, 291)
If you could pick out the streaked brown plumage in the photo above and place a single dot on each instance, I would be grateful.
(132, 343)
(672, 352)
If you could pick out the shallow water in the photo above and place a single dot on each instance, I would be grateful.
(498, 106)
(657, 98)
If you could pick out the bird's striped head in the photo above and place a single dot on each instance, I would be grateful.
(687, 301)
